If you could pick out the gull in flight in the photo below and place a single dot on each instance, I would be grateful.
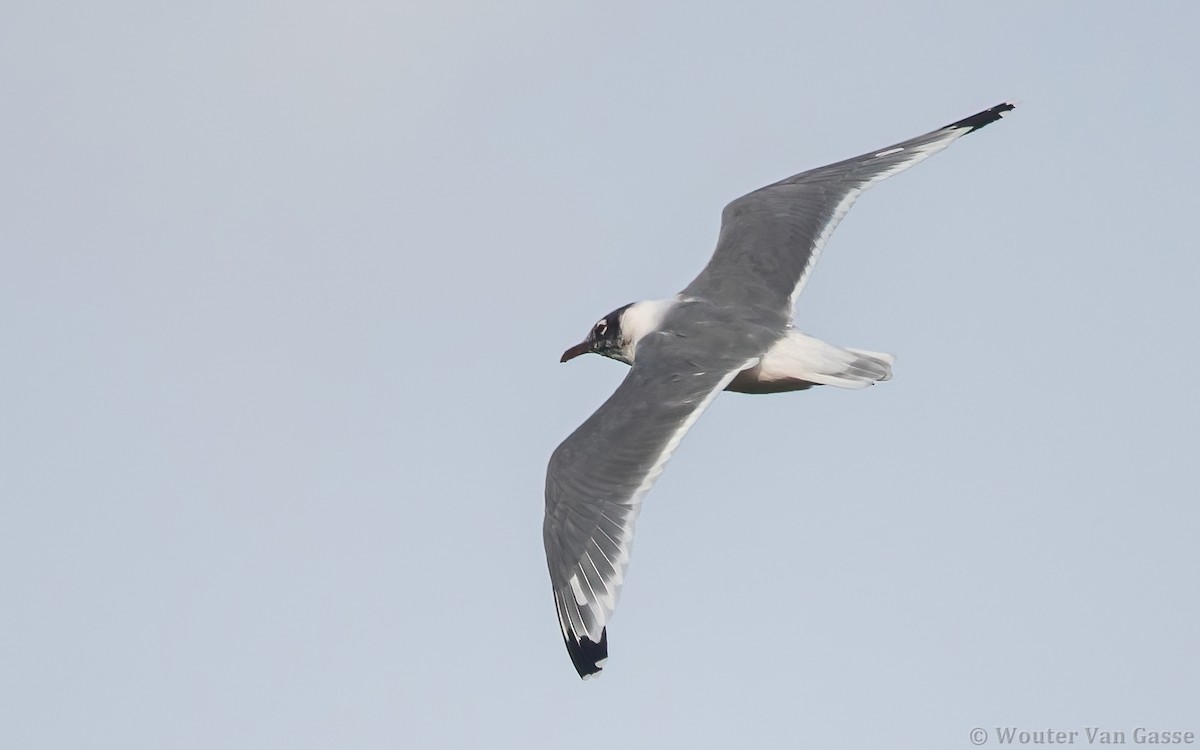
(730, 329)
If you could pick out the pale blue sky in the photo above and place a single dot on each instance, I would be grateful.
(283, 288)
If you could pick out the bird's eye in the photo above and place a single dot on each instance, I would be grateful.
(600, 328)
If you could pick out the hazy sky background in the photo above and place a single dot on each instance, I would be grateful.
(283, 288)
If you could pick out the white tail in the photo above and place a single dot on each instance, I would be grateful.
(798, 361)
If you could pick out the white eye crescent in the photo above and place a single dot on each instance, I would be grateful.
(601, 327)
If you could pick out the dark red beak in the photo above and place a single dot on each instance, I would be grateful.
(576, 350)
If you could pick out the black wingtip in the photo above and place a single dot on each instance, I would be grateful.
(986, 117)
(587, 655)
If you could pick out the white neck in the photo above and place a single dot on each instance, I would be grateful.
(642, 318)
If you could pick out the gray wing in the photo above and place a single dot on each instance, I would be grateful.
(771, 238)
(597, 478)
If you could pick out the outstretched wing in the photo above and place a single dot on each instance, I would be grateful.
(771, 238)
(596, 481)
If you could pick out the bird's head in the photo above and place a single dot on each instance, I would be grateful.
(607, 338)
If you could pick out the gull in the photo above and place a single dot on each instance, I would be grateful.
(730, 329)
